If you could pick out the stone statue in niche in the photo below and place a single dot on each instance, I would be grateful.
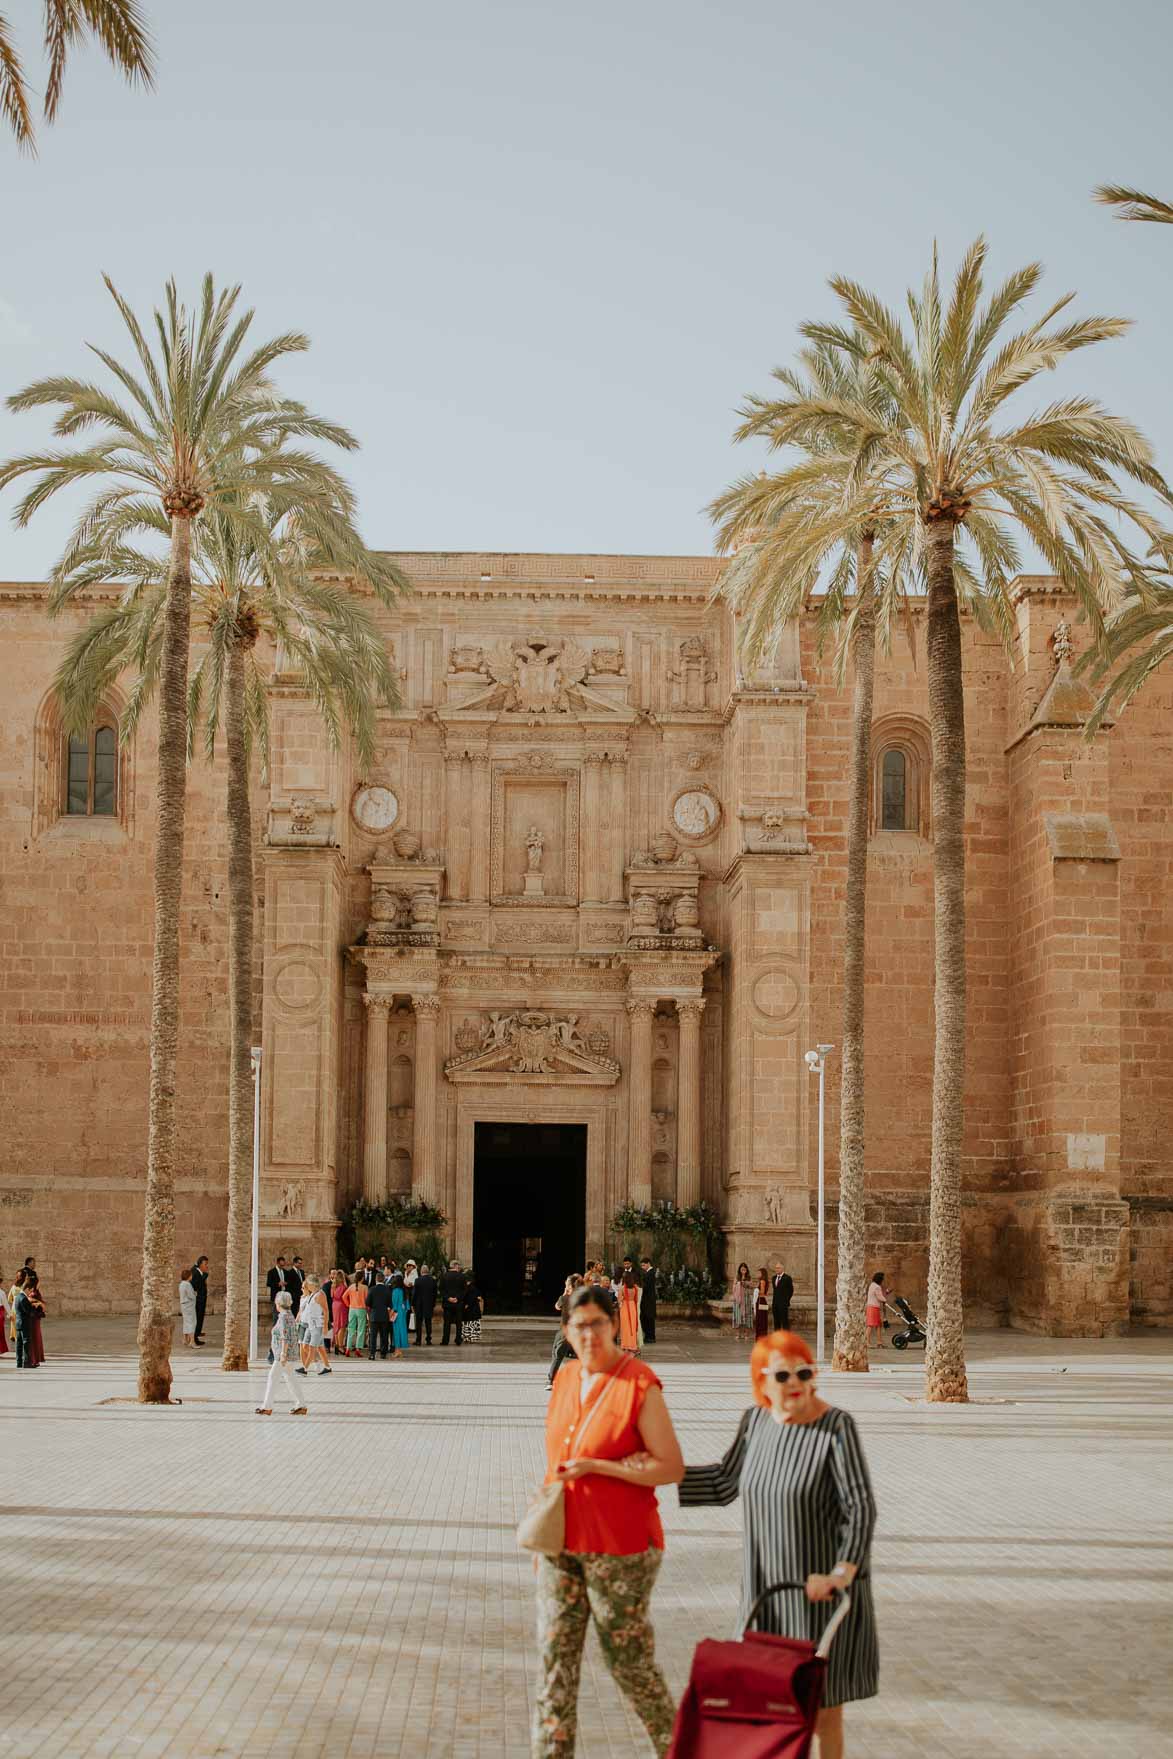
(774, 1204)
(535, 843)
(291, 1200)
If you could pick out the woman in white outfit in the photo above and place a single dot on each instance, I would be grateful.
(284, 1347)
(187, 1308)
(410, 1273)
(311, 1321)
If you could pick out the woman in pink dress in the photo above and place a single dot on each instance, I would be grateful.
(339, 1312)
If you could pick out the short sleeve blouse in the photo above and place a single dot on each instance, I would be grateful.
(603, 1515)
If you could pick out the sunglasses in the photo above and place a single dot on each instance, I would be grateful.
(782, 1375)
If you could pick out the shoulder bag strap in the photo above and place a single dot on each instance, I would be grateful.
(586, 1421)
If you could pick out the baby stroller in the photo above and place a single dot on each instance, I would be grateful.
(913, 1332)
(757, 1699)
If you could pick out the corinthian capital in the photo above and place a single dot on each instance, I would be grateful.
(690, 1008)
(640, 1009)
(377, 1004)
(427, 1007)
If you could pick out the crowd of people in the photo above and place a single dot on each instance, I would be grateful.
(635, 1299)
(378, 1309)
(761, 1304)
(22, 1311)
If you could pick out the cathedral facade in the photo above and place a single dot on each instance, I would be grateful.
(564, 946)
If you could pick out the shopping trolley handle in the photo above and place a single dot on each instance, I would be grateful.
(833, 1623)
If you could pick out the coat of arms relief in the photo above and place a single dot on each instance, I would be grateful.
(533, 676)
(531, 1045)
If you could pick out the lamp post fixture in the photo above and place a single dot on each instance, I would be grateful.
(256, 1227)
(816, 1062)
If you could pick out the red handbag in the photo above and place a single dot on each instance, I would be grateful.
(757, 1699)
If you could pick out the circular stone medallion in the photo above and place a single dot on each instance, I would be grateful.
(374, 808)
(696, 814)
(775, 994)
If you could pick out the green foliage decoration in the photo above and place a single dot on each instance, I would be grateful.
(685, 1243)
(399, 1227)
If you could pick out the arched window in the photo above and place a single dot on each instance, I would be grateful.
(894, 790)
(900, 775)
(91, 773)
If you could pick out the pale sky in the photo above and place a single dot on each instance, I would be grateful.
(542, 250)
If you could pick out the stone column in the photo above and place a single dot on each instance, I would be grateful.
(424, 1186)
(688, 1103)
(374, 1157)
(478, 890)
(618, 838)
(453, 827)
(591, 820)
(639, 1122)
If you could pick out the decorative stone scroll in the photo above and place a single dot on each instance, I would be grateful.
(534, 1047)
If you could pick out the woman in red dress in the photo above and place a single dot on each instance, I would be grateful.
(761, 1304)
(339, 1312)
(36, 1341)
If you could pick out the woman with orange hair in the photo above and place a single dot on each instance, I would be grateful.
(798, 1466)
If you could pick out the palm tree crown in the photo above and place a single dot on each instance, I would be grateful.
(121, 31)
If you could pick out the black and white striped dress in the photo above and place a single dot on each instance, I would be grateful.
(808, 1506)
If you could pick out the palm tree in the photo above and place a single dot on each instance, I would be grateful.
(766, 521)
(200, 427)
(1134, 204)
(952, 472)
(252, 579)
(121, 31)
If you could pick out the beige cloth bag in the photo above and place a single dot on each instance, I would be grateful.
(543, 1526)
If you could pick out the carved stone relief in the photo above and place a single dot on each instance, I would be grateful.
(531, 1044)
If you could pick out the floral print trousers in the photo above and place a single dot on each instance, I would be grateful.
(573, 1588)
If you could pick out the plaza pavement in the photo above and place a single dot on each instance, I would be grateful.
(203, 1582)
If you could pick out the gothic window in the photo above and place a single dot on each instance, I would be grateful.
(894, 790)
(91, 773)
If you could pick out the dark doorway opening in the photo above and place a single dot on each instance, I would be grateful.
(529, 1213)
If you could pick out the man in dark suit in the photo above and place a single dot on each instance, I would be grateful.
(647, 1300)
(452, 1286)
(199, 1282)
(783, 1295)
(423, 1301)
(294, 1278)
(278, 1279)
(379, 1316)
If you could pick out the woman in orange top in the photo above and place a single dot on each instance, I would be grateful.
(630, 1337)
(610, 1440)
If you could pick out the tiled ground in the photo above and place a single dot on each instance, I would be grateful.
(203, 1582)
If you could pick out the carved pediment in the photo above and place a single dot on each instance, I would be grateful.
(544, 1049)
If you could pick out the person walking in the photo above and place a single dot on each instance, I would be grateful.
(400, 1308)
(199, 1282)
(471, 1310)
(311, 1325)
(282, 1347)
(782, 1297)
(610, 1442)
(379, 1317)
(562, 1351)
(187, 1308)
(629, 1328)
(809, 1513)
(647, 1299)
(423, 1304)
(762, 1304)
(452, 1285)
(743, 1303)
(356, 1324)
(877, 1300)
(339, 1312)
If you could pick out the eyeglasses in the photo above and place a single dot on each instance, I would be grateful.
(594, 1325)
(782, 1375)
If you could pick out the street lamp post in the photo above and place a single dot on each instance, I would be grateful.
(256, 1227)
(816, 1062)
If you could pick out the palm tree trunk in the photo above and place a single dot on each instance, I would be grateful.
(945, 1354)
(851, 1338)
(160, 1272)
(238, 1254)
